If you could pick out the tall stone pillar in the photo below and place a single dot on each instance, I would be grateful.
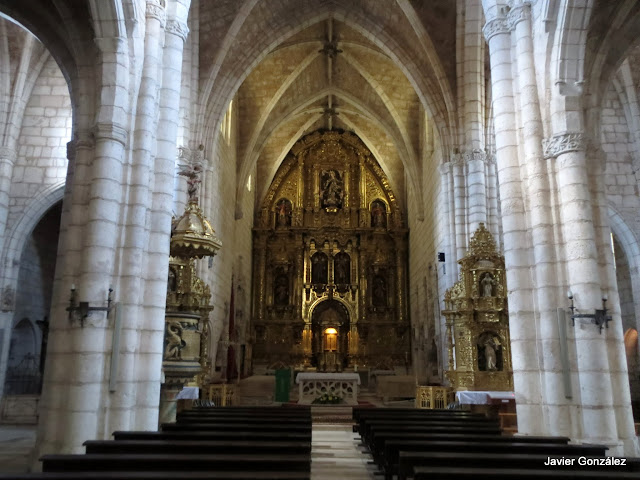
(522, 318)
(149, 372)
(132, 281)
(541, 224)
(7, 160)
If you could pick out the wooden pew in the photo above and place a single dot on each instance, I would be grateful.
(213, 435)
(195, 447)
(175, 462)
(359, 413)
(256, 420)
(454, 473)
(379, 438)
(366, 429)
(408, 461)
(389, 458)
(165, 475)
(223, 425)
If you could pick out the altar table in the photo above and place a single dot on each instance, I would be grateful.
(313, 385)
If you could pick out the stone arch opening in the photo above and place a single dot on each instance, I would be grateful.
(330, 325)
(32, 302)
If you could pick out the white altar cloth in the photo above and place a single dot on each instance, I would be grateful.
(467, 397)
(188, 393)
(302, 376)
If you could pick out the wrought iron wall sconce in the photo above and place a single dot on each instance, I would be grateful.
(82, 310)
(600, 317)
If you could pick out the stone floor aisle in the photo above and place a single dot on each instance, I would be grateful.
(335, 454)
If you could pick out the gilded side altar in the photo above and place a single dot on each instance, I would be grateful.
(330, 266)
(477, 320)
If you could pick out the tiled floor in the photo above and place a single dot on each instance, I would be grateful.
(335, 454)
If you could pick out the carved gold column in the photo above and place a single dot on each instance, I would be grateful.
(261, 256)
(400, 280)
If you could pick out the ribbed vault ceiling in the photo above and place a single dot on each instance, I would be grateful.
(365, 66)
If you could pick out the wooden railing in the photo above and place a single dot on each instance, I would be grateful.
(222, 394)
(434, 397)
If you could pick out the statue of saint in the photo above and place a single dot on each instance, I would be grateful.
(490, 355)
(487, 284)
(331, 189)
(283, 214)
(378, 214)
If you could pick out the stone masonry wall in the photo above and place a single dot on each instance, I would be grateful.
(42, 145)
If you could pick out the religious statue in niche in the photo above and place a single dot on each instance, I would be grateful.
(332, 189)
(378, 214)
(281, 290)
(487, 284)
(379, 291)
(342, 269)
(319, 270)
(489, 352)
(171, 282)
(283, 213)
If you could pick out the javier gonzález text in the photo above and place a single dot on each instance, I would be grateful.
(591, 461)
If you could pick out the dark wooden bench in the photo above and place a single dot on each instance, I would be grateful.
(410, 460)
(196, 447)
(366, 429)
(166, 475)
(389, 458)
(454, 473)
(175, 462)
(256, 420)
(379, 438)
(382, 412)
(213, 435)
(224, 425)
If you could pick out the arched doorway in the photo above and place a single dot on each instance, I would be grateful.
(330, 336)
(25, 366)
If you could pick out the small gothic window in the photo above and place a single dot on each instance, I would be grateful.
(342, 269)
(319, 268)
(283, 213)
(378, 214)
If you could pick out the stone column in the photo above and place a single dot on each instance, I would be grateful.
(132, 282)
(7, 160)
(617, 361)
(545, 350)
(459, 201)
(597, 420)
(151, 348)
(515, 232)
(476, 188)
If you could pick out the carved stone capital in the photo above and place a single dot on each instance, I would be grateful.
(475, 155)
(563, 143)
(176, 27)
(110, 131)
(156, 10)
(517, 14)
(497, 26)
(444, 168)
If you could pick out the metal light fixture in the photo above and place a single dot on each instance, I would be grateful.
(600, 317)
(82, 309)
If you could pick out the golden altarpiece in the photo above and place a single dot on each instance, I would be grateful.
(330, 264)
(477, 320)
